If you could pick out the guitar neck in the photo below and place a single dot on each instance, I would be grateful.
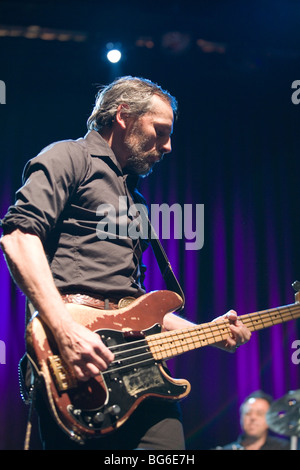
(173, 343)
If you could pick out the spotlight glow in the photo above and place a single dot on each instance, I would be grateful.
(114, 56)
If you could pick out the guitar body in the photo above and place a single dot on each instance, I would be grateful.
(102, 404)
(133, 333)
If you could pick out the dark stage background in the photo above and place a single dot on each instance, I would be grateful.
(235, 150)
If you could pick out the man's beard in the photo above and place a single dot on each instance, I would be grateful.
(140, 161)
(142, 165)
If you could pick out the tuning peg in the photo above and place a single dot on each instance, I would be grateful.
(296, 286)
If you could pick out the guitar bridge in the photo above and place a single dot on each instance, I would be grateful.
(62, 378)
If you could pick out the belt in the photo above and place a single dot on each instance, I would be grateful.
(100, 302)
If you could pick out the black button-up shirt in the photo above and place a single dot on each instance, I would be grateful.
(75, 197)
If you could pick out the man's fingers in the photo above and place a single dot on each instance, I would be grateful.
(86, 371)
(103, 352)
(231, 315)
(239, 333)
(85, 353)
(96, 360)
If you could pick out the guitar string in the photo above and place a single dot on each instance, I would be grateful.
(256, 321)
(136, 363)
(207, 331)
(166, 345)
(198, 329)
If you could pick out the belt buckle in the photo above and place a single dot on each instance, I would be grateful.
(125, 301)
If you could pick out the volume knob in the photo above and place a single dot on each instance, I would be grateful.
(114, 410)
(98, 418)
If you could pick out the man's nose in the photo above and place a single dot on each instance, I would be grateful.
(166, 147)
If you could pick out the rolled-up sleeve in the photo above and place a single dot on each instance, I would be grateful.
(48, 182)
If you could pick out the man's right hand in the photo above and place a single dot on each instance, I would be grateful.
(82, 350)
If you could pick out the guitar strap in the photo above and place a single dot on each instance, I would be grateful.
(159, 252)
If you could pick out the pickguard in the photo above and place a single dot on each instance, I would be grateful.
(133, 376)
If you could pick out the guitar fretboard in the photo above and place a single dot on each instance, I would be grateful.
(173, 343)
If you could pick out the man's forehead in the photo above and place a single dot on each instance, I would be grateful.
(161, 113)
(255, 403)
(161, 105)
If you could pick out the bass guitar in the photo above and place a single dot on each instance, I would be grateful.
(135, 336)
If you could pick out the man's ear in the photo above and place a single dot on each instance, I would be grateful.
(122, 115)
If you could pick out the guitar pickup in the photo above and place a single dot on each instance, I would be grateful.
(62, 378)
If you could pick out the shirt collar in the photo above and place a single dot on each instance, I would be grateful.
(98, 147)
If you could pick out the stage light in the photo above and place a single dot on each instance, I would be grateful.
(114, 56)
(113, 53)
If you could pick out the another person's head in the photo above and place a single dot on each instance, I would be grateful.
(253, 415)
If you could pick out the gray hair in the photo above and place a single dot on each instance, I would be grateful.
(135, 92)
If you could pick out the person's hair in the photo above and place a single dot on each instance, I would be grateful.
(135, 92)
(254, 395)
